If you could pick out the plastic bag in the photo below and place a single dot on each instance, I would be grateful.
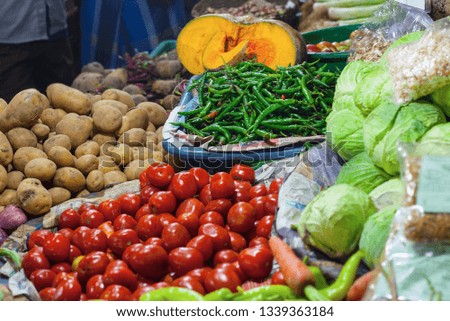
(392, 21)
(420, 68)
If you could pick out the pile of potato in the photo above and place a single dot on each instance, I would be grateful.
(69, 144)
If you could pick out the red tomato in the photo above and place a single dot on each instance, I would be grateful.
(122, 276)
(183, 185)
(37, 238)
(264, 226)
(129, 203)
(190, 205)
(107, 228)
(204, 244)
(63, 276)
(95, 287)
(91, 218)
(116, 264)
(144, 210)
(47, 294)
(241, 274)
(200, 274)
(69, 218)
(271, 204)
(67, 232)
(259, 204)
(73, 253)
(160, 285)
(147, 192)
(143, 180)
(166, 219)
(121, 239)
(116, 292)
(110, 209)
(242, 185)
(189, 282)
(249, 235)
(160, 174)
(140, 291)
(174, 235)
(149, 226)
(220, 278)
(221, 206)
(222, 185)
(68, 290)
(219, 235)
(42, 278)
(312, 48)
(225, 256)
(154, 241)
(190, 221)
(86, 206)
(275, 185)
(57, 247)
(243, 173)
(94, 240)
(92, 264)
(131, 251)
(241, 195)
(61, 267)
(259, 241)
(237, 241)
(205, 195)
(124, 221)
(185, 259)
(256, 262)
(241, 217)
(77, 236)
(150, 261)
(258, 190)
(212, 217)
(201, 177)
(163, 202)
(278, 278)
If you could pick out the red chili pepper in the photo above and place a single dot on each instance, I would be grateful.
(212, 115)
(283, 97)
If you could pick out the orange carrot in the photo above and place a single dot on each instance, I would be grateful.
(359, 287)
(295, 272)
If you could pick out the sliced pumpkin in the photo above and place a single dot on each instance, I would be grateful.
(215, 54)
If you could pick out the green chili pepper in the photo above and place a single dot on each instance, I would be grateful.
(236, 129)
(190, 128)
(306, 91)
(264, 114)
(202, 85)
(191, 112)
(223, 294)
(321, 283)
(274, 292)
(260, 97)
(312, 294)
(265, 134)
(171, 294)
(230, 106)
(13, 256)
(216, 128)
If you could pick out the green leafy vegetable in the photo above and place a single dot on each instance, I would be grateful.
(389, 193)
(441, 97)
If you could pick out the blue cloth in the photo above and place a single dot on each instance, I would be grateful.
(32, 20)
(111, 28)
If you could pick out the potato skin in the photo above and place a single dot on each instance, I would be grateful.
(157, 115)
(69, 99)
(114, 177)
(102, 139)
(87, 148)
(8, 197)
(33, 198)
(133, 137)
(135, 118)
(14, 179)
(3, 178)
(106, 164)
(116, 79)
(69, 178)
(25, 154)
(61, 157)
(107, 119)
(41, 168)
(119, 95)
(95, 181)
(86, 164)
(78, 128)
(87, 82)
(59, 195)
(41, 131)
(136, 167)
(6, 150)
(111, 103)
(21, 137)
(51, 117)
(57, 140)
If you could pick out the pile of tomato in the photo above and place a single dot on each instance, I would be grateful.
(186, 229)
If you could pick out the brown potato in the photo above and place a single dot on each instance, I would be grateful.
(157, 115)
(111, 103)
(135, 118)
(120, 153)
(150, 128)
(101, 139)
(139, 99)
(61, 157)
(69, 99)
(69, 178)
(151, 139)
(57, 140)
(106, 164)
(8, 197)
(113, 178)
(87, 148)
(142, 153)
(107, 119)
(59, 195)
(40, 146)
(159, 133)
(133, 89)
(86, 164)
(25, 154)
(83, 193)
(170, 102)
(3, 104)
(41, 131)
(3, 178)
(133, 137)
(93, 99)
(136, 167)
(117, 78)
(21, 137)
(158, 156)
(87, 82)
(14, 179)
(78, 128)
(94, 66)
(33, 198)
(119, 95)
(95, 181)
(51, 117)
(41, 168)
(6, 150)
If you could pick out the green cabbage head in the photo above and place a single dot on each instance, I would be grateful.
(375, 235)
(362, 173)
(389, 124)
(350, 76)
(441, 97)
(333, 221)
(388, 194)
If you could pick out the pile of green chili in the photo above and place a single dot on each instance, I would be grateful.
(251, 101)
